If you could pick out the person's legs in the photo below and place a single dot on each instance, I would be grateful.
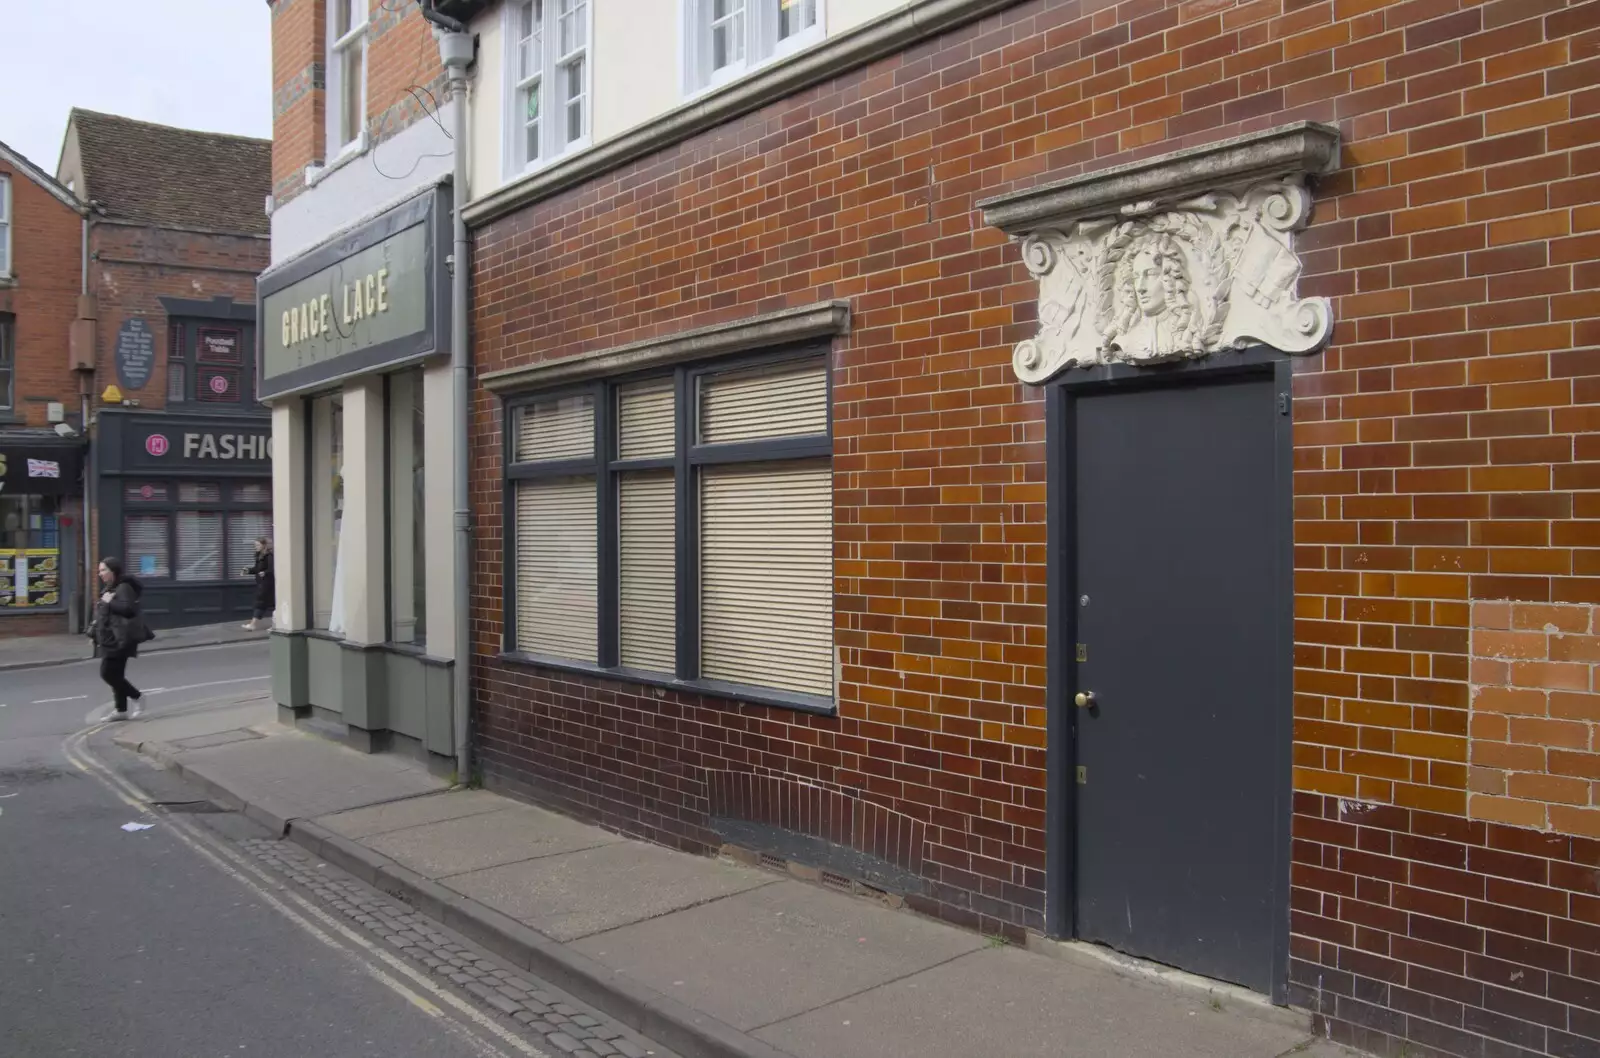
(112, 670)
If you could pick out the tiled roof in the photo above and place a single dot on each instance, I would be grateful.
(175, 178)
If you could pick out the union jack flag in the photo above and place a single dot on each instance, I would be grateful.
(43, 468)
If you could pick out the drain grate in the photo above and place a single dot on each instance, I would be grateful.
(777, 863)
(837, 881)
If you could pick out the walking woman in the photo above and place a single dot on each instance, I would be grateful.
(266, 585)
(118, 631)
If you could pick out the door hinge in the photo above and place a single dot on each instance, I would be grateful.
(1083, 775)
(1283, 404)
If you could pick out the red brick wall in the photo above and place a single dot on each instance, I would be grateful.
(401, 54)
(46, 237)
(132, 267)
(1445, 453)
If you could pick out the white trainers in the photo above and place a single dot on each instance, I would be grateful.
(118, 714)
(249, 626)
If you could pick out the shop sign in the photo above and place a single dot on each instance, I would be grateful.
(223, 446)
(44, 473)
(368, 301)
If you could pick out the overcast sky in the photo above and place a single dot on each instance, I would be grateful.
(200, 64)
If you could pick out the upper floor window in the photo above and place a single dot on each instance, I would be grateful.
(548, 80)
(8, 362)
(726, 38)
(347, 75)
(5, 225)
(208, 364)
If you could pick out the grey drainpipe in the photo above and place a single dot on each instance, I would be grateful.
(455, 51)
(90, 563)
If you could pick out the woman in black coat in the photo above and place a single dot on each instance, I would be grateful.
(266, 585)
(118, 631)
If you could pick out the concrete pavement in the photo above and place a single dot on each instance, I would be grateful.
(710, 957)
(28, 652)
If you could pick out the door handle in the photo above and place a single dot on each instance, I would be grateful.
(1085, 699)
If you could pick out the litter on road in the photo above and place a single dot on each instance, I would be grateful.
(131, 827)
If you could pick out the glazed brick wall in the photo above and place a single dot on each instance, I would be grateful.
(405, 81)
(132, 267)
(46, 237)
(1445, 454)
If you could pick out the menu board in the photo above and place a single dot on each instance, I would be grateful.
(30, 577)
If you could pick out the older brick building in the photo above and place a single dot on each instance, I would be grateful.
(1419, 711)
(178, 234)
(41, 229)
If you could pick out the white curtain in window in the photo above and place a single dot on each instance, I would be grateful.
(200, 545)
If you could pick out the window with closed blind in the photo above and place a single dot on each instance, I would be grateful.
(678, 529)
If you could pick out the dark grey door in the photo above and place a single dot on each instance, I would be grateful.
(1177, 605)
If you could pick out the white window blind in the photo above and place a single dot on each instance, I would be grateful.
(766, 575)
(776, 400)
(647, 589)
(556, 429)
(147, 537)
(253, 492)
(556, 587)
(200, 545)
(645, 420)
(243, 529)
(196, 492)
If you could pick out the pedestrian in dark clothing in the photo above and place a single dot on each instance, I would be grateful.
(266, 585)
(118, 631)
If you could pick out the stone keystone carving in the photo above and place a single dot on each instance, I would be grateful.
(1170, 276)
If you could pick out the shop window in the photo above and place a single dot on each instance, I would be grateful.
(724, 39)
(147, 539)
(408, 538)
(327, 511)
(200, 545)
(548, 80)
(252, 492)
(146, 492)
(8, 363)
(207, 365)
(711, 562)
(244, 529)
(30, 551)
(346, 76)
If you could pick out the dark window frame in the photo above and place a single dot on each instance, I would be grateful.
(172, 506)
(183, 346)
(606, 468)
(8, 365)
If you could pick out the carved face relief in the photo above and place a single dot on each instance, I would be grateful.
(1149, 286)
(1184, 279)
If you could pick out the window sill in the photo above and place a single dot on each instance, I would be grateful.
(350, 152)
(31, 611)
(735, 692)
(513, 171)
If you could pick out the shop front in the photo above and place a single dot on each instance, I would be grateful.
(354, 344)
(182, 500)
(40, 508)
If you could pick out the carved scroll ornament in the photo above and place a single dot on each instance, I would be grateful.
(1158, 283)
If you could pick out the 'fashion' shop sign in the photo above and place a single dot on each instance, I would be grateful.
(365, 301)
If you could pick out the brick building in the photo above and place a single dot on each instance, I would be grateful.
(1119, 472)
(41, 488)
(177, 236)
